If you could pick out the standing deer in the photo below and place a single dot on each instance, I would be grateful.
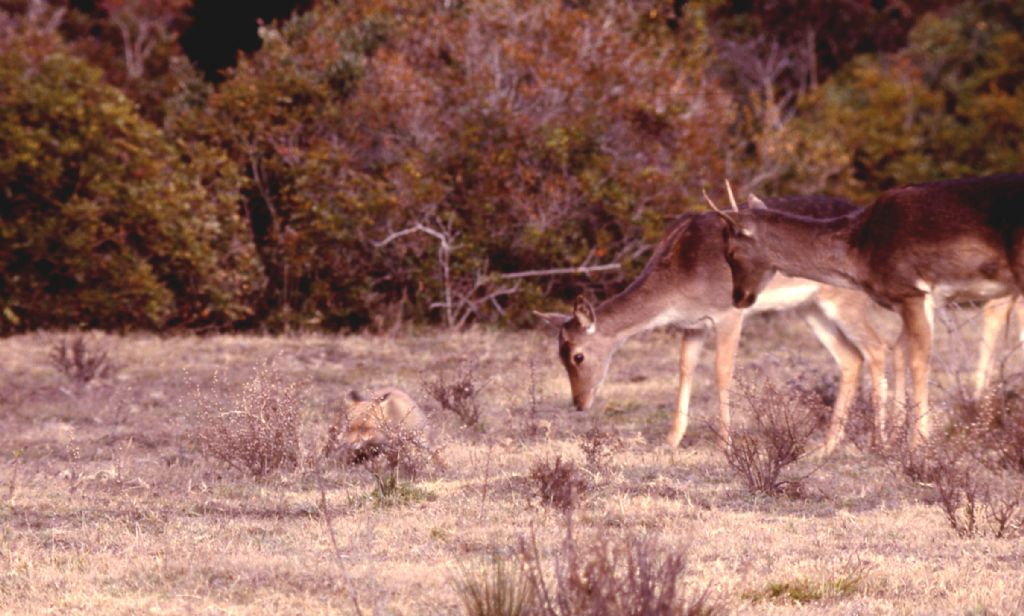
(915, 246)
(687, 282)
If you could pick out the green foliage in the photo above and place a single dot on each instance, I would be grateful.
(104, 223)
(950, 104)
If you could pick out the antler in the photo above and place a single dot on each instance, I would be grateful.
(732, 199)
(718, 211)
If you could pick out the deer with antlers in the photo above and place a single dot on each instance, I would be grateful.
(914, 247)
(686, 282)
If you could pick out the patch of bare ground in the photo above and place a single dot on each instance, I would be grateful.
(108, 504)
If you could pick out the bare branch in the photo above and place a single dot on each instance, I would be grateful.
(557, 271)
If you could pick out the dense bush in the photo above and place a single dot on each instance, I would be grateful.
(380, 161)
(104, 222)
(566, 129)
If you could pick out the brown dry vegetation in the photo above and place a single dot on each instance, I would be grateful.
(108, 505)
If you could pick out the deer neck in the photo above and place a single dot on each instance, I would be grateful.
(811, 248)
(638, 308)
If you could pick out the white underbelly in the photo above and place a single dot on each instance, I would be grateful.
(967, 290)
(785, 293)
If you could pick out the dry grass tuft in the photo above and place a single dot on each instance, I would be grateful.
(501, 589)
(256, 431)
(560, 484)
(783, 422)
(804, 591)
(78, 362)
(631, 575)
(458, 391)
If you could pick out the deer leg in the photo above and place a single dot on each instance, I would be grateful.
(689, 353)
(727, 340)
(852, 319)
(918, 322)
(995, 315)
(899, 382)
(849, 360)
(898, 400)
(1018, 308)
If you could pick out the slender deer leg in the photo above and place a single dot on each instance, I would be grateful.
(1018, 309)
(899, 382)
(879, 390)
(918, 321)
(995, 316)
(849, 360)
(727, 339)
(689, 353)
(874, 351)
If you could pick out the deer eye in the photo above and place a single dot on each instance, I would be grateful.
(578, 358)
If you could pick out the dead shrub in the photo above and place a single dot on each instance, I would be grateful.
(783, 422)
(558, 483)
(631, 575)
(995, 424)
(978, 499)
(257, 430)
(979, 504)
(79, 362)
(599, 447)
(458, 391)
(401, 454)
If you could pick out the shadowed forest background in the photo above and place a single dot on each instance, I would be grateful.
(177, 164)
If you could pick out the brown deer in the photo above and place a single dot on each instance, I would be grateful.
(914, 247)
(686, 282)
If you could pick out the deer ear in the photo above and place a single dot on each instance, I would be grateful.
(584, 314)
(554, 320)
(755, 203)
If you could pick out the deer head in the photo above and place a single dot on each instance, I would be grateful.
(583, 349)
(748, 261)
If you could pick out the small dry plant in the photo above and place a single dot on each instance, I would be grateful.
(978, 495)
(501, 589)
(995, 423)
(257, 430)
(980, 504)
(624, 576)
(458, 391)
(558, 483)
(599, 447)
(78, 362)
(399, 459)
(783, 422)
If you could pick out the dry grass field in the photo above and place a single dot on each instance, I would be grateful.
(109, 505)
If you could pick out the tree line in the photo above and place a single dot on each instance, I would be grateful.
(385, 161)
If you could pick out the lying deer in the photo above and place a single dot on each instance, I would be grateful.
(914, 247)
(686, 282)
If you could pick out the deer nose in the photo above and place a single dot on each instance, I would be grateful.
(742, 299)
(581, 402)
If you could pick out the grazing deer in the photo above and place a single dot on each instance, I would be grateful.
(915, 246)
(687, 282)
